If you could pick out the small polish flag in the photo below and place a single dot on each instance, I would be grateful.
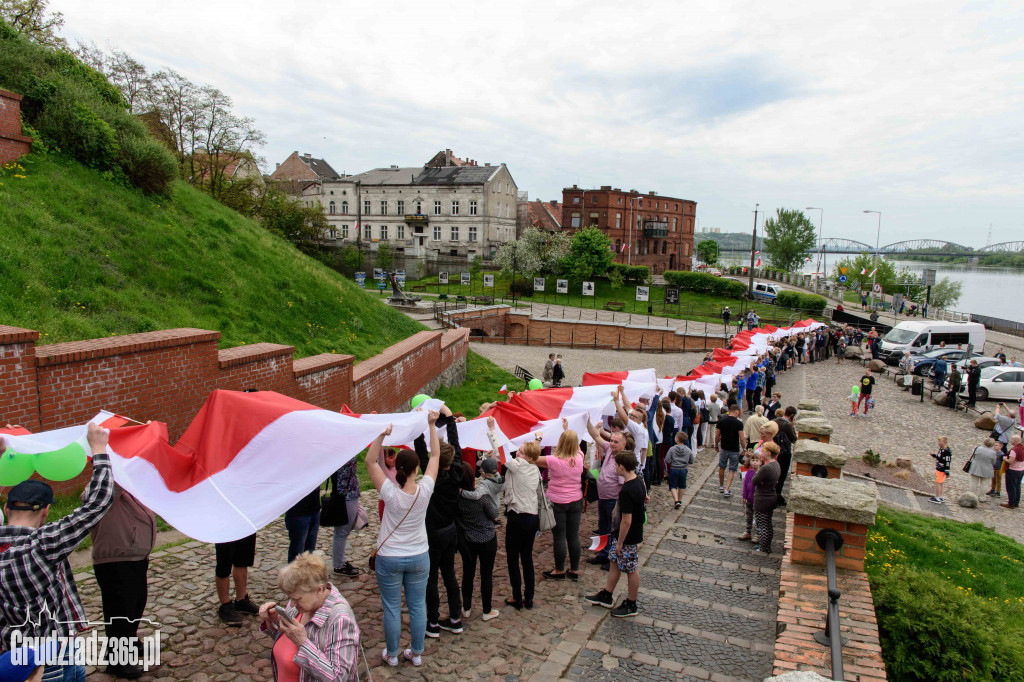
(744, 269)
(758, 264)
(864, 271)
(598, 542)
(757, 253)
(504, 389)
(872, 274)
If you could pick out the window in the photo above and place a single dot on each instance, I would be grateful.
(508, 188)
(437, 208)
(366, 206)
(673, 224)
(344, 231)
(384, 207)
(663, 247)
(499, 187)
(618, 245)
(455, 233)
(330, 208)
(367, 232)
(401, 231)
(419, 207)
(344, 208)
(593, 201)
(401, 207)
(333, 232)
(676, 207)
(620, 201)
(657, 204)
(575, 220)
(383, 231)
(575, 200)
(472, 234)
(437, 232)
(455, 207)
(472, 207)
(618, 220)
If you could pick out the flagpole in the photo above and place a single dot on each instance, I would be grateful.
(874, 272)
(753, 247)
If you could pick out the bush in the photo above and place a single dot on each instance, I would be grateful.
(788, 299)
(148, 164)
(521, 287)
(630, 273)
(812, 303)
(704, 283)
(933, 631)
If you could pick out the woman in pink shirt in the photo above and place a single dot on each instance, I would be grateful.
(565, 469)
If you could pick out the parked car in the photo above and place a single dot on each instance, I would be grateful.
(999, 383)
(922, 364)
(983, 362)
(766, 292)
(716, 272)
(916, 335)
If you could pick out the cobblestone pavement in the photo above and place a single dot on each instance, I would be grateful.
(902, 426)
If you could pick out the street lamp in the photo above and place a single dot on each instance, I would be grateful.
(821, 246)
(874, 272)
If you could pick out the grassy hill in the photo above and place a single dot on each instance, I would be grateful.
(82, 256)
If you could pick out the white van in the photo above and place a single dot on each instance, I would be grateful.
(919, 335)
(766, 292)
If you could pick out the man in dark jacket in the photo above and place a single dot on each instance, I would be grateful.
(442, 535)
(954, 387)
(121, 543)
(973, 377)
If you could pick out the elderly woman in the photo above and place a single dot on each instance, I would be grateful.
(983, 463)
(320, 638)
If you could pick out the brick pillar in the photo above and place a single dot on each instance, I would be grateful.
(19, 395)
(13, 145)
(814, 458)
(827, 503)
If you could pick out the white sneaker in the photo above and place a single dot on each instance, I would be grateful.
(728, 493)
(491, 615)
(466, 612)
(415, 659)
(721, 488)
(390, 660)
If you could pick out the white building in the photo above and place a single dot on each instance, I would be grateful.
(462, 211)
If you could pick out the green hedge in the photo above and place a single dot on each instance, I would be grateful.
(630, 273)
(704, 283)
(797, 300)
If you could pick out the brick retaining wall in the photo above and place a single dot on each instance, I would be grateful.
(13, 145)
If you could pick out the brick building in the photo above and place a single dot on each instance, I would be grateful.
(646, 229)
(301, 175)
(13, 145)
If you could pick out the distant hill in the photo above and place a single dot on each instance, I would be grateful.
(83, 256)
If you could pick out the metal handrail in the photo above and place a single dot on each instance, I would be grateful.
(830, 540)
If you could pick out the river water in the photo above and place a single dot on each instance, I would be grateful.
(994, 291)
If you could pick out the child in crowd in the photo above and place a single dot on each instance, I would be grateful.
(943, 457)
(752, 464)
(678, 460)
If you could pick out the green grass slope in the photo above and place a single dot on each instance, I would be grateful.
(83, 257)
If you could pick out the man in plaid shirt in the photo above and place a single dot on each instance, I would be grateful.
(38, 596)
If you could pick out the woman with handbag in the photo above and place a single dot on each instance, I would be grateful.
(401, 558)
(340, 511)
(981, 467)
(565, 465)
(522, 482)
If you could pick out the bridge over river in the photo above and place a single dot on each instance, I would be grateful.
(910, 247)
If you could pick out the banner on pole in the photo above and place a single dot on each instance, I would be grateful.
(442, 278)
(588, 288)
(488, 280)
(538, 284)
(643, 293)
(562, 286)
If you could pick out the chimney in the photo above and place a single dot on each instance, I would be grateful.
(307, 155)
(653, 193)
(276, 166)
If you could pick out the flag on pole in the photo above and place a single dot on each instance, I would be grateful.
(744, 269)
(864, 271)
(758, 263)
(598, 542)
(872, 272)
(504, 389)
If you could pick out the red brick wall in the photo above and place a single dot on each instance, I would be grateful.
(13, 145)
(167, 375)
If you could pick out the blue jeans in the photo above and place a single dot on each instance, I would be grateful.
(394, 572)
(341, 533)
(604, 521)
(677, 479)
(64, 673)
(302, 532)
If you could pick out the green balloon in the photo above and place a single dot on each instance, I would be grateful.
(63, 464)
(856, 389)
(417, 400)
(15, 467)
(535, 384)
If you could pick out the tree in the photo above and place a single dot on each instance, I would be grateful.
(385, 256)
(946, 293)
(351, 257)
(789, 238)
(616, 279)
(305, 227)
(535, 252)
(904, 281)
(476, 266)
(590, 254)
(31, 19)
(707, 251)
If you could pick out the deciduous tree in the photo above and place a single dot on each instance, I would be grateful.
(589, 254)
(789, 238)
(32, 19)
(707, 251)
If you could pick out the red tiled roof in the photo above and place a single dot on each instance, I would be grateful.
(545, 215)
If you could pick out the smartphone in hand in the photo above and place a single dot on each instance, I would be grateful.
(284, 615)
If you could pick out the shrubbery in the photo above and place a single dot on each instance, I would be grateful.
(630, 273)
(76, 111)
(800, 301)
(704, 283)
(521, 287)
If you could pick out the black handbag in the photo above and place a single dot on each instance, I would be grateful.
(588, 484)
(967, 466)
(333, 507)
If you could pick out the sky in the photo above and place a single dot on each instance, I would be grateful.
(910, 108)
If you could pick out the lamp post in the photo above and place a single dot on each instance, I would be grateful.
(874, 272)
(753, 247)
(821, 246)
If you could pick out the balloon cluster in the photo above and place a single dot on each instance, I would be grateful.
(56, 465)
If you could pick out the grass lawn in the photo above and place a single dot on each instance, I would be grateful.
(483, 380)
(949, 598)
(692, 306)
(83, 257)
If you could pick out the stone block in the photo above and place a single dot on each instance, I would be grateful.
(876, 366)
(814, 425)
(836, 499)
(968, 500)
(853, 352)
(809, 404)
(814, 452)
(810, 414)
(986, 422)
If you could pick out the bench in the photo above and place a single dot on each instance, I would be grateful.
(442, 297)
(614, 305)
(523, 374)
(487, 300)
(418, 287)
(460, 299)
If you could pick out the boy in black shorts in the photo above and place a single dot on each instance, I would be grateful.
(233, 561)
(623, 550)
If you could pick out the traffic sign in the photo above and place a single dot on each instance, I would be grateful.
(878, 288)
(842, 278)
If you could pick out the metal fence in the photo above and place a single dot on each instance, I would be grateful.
(998, 325)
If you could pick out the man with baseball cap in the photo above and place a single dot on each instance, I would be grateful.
(38, 596)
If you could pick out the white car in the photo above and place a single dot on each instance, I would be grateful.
(999, 383)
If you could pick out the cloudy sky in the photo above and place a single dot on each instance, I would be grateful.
(914, 109)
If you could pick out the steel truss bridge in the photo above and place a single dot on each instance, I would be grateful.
(912, 247)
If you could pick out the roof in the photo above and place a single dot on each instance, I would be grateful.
(320, 167)
(543, 215)
(457, 175)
